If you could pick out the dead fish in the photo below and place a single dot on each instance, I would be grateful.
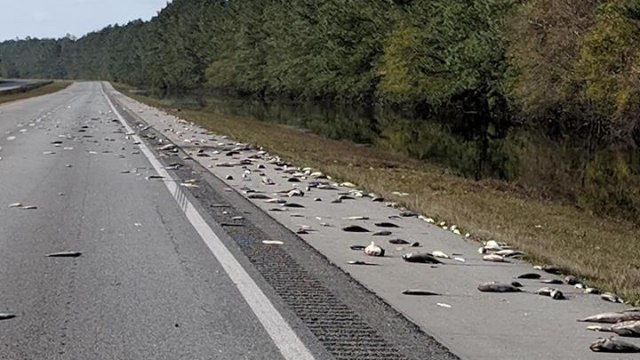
(228, 177)
(551, 269)
(612, 317)
(529, 276)
(272, 242)
(354, 228)
(552, 281)
(551, 292)
(292, 205)
(440, 254)
(408, 214)
(295, 192)
(494, 258)
(357, 218)
(398, 242)
(497, 287)
(359, 262)
(374, 250)
(29, 207)
(276, 201)
(509, 253)
(358, 247)
(15, 205)
(153, 177)
(386, 225)
(571, 280)
(613, 345)
(65, 254)
(167, 147)
(258, 196)
(611, 298)
(415, 244)
(423, 258)
(419, 292)
(6, 316)
(593, 291)
(382, 233)
(624, 328)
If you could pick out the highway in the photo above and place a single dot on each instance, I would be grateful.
(181, 254)
(158, 277)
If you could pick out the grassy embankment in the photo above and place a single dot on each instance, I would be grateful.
(605, 251)
(38, 91)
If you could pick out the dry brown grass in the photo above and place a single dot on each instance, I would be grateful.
(606, 252)
(43, 90)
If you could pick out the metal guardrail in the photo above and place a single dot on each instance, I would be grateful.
(24, 87)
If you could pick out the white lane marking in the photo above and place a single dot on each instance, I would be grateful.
(276, 326)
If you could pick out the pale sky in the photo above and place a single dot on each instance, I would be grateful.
(56, 18)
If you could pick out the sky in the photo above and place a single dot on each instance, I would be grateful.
(56, 18)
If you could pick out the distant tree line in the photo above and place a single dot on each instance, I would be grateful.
(568, 68)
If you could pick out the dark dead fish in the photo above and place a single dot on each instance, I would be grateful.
(551, 269)
(29, 207)
(424, 258)
(232, 225)
(354, 228)
(415, 244)
(153, 177)
(386, 225)
(419, 292)
(292, 205)
(408, 214)
(571, 280)
(529, 276)
(65, 254)
(497, 287)
(552, 281)
(398, 242)
(382, 233)
(359, 262)
(358, 247)
(613, 345)
(6, 316)
(258, 196)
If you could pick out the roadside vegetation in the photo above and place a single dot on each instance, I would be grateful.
(512, 113)
(30, 92)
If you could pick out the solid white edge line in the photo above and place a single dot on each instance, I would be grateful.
(287, 341)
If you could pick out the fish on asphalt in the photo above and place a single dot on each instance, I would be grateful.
(497, 287)
(359, 262)
(424, 258)
(419, 292)
(6, 316)
(551, 292)
(625, 328)
(374, 250)
(612, 317)
(398, 242)
(613, 345)
(385, 224)
(354, 228)
(65, 254)
(382, 233)
(611, 298)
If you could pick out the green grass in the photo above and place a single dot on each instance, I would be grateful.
(604, 251)
(39, 91)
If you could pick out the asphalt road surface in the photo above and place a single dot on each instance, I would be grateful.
(158, 277)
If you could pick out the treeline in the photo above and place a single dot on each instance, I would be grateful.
(567, 68)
